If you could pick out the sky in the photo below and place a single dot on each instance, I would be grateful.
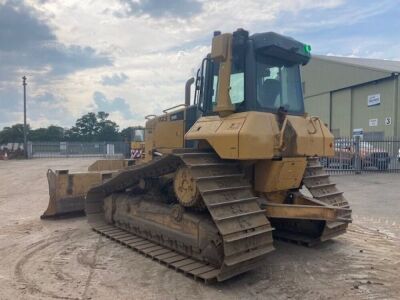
(131, 58)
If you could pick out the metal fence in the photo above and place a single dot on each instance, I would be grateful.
(356, 156)
(78, 149)
(352, 155)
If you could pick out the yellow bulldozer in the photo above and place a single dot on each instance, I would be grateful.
(230, 170)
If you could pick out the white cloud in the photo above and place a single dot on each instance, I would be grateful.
(157, 55)
(141, 46)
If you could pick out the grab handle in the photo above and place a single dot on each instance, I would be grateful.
(312, 120)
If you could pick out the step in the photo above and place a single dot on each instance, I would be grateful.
(220, 176)
(344, 219)
(316, 176)
(314, 167)
(230, 261)
(329, 194)
(248, 235)
(232, 188)
(250, 213)
(324, 185)
(232, 202)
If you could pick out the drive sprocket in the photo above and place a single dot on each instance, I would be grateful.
(186, 189)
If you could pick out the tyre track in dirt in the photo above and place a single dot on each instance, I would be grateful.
(56, 257)
(92, 266)
(362, 264)
(368, 264)
(375, 267)
(61, 270)
(31, 286)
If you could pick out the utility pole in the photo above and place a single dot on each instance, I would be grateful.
(25, 129)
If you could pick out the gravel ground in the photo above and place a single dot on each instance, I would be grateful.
(64, 259)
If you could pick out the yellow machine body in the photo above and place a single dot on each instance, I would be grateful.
(109, 165)
(165, 132)
(256, 135)
(279, 175)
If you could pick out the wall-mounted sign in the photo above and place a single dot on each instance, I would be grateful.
(388, 120)
(358, 132)
(374, 99)
(373, 122)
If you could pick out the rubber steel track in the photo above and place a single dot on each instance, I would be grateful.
(317, 181)
(163, 255)
(246, 232)
(229, 197)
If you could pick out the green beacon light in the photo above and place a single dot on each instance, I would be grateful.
(307, 49)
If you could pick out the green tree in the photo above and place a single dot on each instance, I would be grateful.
(55, 133)
(108, 130)
(50, 134)
(90, 127)
(86, 128)
(13, 134)
(39, 134)
(94, 127)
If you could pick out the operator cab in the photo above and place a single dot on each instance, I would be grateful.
(264, 74)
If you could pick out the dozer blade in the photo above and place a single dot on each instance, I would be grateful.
(110, 164)
(67, 191)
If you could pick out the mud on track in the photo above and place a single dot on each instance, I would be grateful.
(66, 260)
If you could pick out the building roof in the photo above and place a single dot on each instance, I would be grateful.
(391, 66)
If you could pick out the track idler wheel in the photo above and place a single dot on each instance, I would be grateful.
(186, 190)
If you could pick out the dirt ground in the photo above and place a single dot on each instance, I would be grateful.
(66, 260)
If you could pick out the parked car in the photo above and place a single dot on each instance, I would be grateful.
(370, 156)
(344, 156)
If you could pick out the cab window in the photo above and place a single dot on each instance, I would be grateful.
(236, 91)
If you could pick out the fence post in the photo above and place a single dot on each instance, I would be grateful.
(30, 154)
(110, 149)
(63, 149)
(357, 154)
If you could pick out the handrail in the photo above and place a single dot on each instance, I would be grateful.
(150, 116)
(173, 107)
